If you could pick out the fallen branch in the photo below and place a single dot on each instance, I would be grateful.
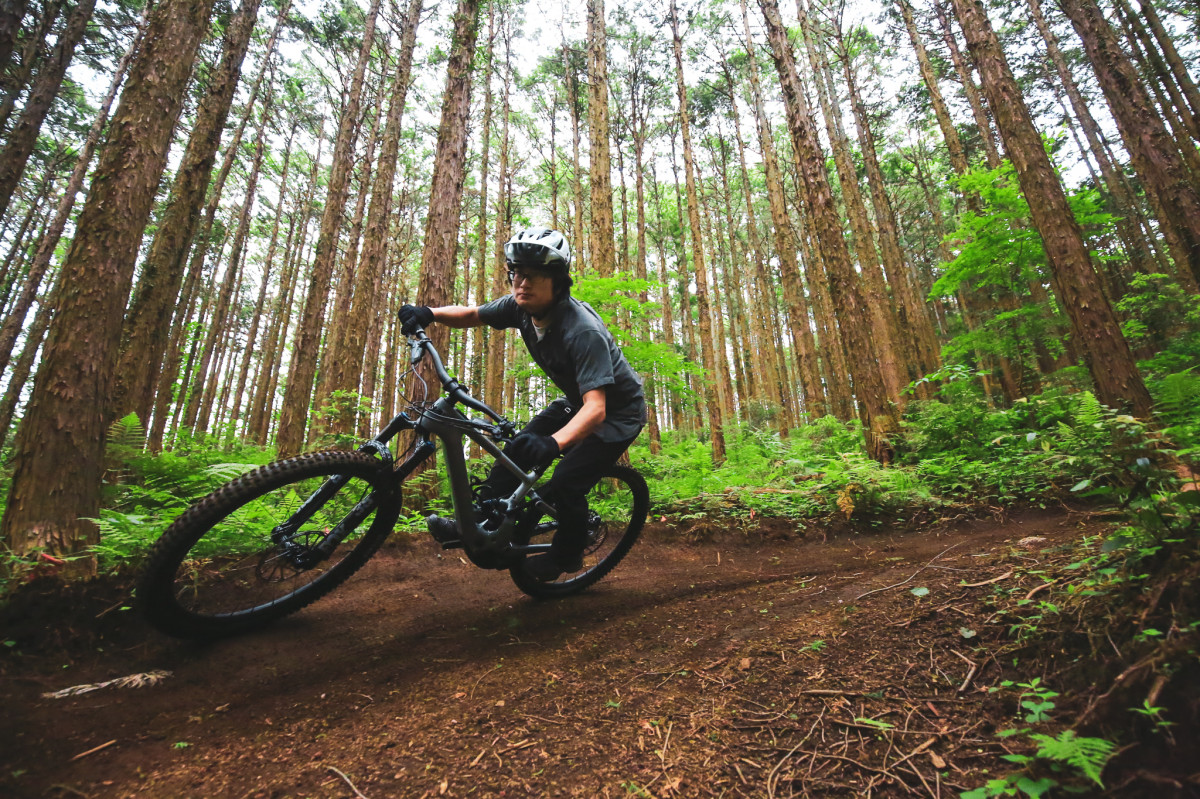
(910, 579)
(94, 750)
(357, 792)
(1004, 576)
(1041, 588)
(131, 681)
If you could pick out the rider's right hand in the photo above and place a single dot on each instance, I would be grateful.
(413, 317)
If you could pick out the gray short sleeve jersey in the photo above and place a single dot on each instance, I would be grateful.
(578, 354)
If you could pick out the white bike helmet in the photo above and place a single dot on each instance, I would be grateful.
(539, 248)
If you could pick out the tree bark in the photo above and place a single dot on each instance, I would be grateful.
(1126, 204)
(576, 182)
(1093, 323)
(911, 312)
(1150, 146)
(62, 214)
(24, 134)
(11, 14)
(494, 381)
(958, 157)
(716, 420)
(892, 359)
(347, 370)
(298, 395)
(785, 244)
(881, 421)
(601, 241)
(442, 223)
(148, 320)
(482, 335)
(963, 69)
(1176, 64)
(24, 364)
(60, 445)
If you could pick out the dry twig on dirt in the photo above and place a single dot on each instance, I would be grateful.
(910, 579)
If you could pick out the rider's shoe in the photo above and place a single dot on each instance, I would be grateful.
(547, 567)
(443, 530)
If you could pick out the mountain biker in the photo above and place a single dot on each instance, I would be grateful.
(603, 409)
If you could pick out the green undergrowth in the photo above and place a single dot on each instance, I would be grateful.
(1099, 671)
(954, 453)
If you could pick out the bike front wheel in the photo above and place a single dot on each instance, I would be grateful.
(247, 554)
(617, 509)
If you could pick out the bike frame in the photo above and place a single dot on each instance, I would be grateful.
(445, 422)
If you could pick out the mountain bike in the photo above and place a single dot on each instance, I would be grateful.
(279, 537)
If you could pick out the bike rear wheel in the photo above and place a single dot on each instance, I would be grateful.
(617, 508)
(240, 558)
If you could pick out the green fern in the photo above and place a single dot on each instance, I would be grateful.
(1089, 755)
(1088, 410)
(126, 434)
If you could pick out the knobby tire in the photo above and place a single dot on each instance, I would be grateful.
(567, 584)
(170, 576)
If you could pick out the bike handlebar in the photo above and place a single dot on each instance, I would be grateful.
(422, 344)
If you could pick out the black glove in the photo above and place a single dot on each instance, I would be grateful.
(413, 317)
(531, 451)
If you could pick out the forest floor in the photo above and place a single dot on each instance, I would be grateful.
(779, 664)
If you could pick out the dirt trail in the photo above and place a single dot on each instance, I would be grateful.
(690, 671)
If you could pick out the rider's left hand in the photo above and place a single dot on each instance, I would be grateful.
(531, 450)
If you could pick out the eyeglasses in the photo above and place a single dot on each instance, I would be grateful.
(524, 276)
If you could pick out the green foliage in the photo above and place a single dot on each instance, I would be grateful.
(1086, 754)
(1158, 312)
(1001, 256)
(143, 491)
(1065, 756)
(999, 246)
(620, 297)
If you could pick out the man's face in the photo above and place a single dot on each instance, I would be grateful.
(532, 289)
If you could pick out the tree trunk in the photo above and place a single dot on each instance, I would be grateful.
(482, 335)
(11, 14)
(1093, 324)
(494, 381)
(62, 214)
(911, 312)
(664, 282)
(576, 182)
(200, 400)
(298, 395)
(958, 157)
(60, 445)
(332, 366)
(716, 420)
(1126, 204)
(32, 50)
(445, 196)
(892, 360)
(24, 134)
(24, 364)
(1150, 146)
(785, 244)
(148, 320)
(1178, 68)
(1177, 109)
(881, 422)
(972, 92)
(601, 241)
(346, 372)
